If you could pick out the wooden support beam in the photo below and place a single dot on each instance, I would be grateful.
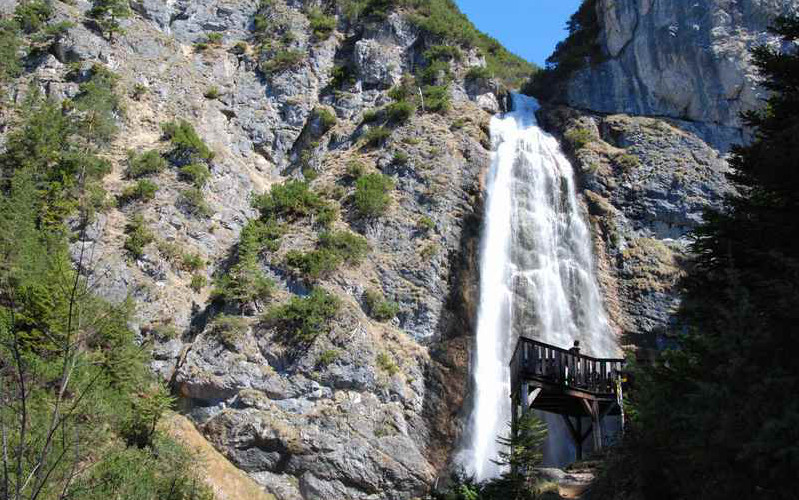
(597, 423)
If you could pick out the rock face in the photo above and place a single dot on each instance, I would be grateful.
(645, 183)
(369, 409)
(679, 59)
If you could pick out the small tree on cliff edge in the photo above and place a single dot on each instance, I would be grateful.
(107, 14)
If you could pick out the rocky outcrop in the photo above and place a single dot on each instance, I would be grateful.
(646, 183)
(684, 60)
(370, 409)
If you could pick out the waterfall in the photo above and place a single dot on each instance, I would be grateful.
(536, 277)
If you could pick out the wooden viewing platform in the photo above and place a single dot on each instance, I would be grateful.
(565, 382)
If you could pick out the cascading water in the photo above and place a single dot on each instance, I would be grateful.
(536, 277)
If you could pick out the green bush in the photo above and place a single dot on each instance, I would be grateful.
(196, 173)
(200, 46)
(32, 15)
(244, 283)
(436, 98)
(342, 75)
(350, 246)
(191, 261)
(370, 115)
(322, 25)
(214, 38)
(229, 330)
(333, 249)
(378, 307)
(198, 282)
(436, 73)
(99, 104)
(385, 363)
(315, 264)
(258, 236)
(10, 65)
(147, 163)
(138, 236)
(107, 13)
(304, 319)
(627, 161)
(372, 194)
(355, 168)
(426, 224)
(429, 251)
(139, 90)
(376, 136)
(283, 60)
(400, 111)
(443, 53)
(212, 92)
(193, 201)
(143, 190)
(327, 120)
(400, 158)
(578, 138)
(327, 357)
(291, 200)
(186, 143)
(327, 215)
(478, 73)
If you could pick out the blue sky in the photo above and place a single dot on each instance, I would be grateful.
(529, 28)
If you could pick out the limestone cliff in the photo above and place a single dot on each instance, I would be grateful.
(677, 59)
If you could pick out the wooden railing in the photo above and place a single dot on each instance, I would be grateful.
(536, 360)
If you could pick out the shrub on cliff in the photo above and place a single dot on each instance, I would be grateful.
(372, 196)
(303, 319)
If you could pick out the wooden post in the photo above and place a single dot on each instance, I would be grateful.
(597, 425)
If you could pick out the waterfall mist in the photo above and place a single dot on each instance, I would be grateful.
(536, 279)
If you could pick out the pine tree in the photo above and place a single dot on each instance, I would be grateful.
(107, 14)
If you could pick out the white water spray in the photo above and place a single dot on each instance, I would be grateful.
(536, 275)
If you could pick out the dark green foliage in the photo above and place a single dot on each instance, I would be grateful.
(322, 25)
(579, 49)
(198, 282)
(478, 73)
(355, 169)
(304, 319)
(187, 145)
(214, 38)
(46, 145)
(245, 282)
(32, 15)
(426, 224)
(443, 53)
(327, 120)
(372, 196)
(196, 173)
(229, 330)
(10, 66)
(327, 357)
(147, 409)
(370, 115)
(400, 158)
(333, 249)
(282, 60)
(193, 201)
(376, 136)
(138, 236)
(143, 190)
(400, 111)
(385, 363)
(342, 75)
(191, 261)
(148, 163)
(78, 400)
(436, 98)
(436, 73)
(212, 92)
(378, 307)
(99, 105)
(107, 14)
(714, 418)
(288, 201)
(578, 138)
(352, 248)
